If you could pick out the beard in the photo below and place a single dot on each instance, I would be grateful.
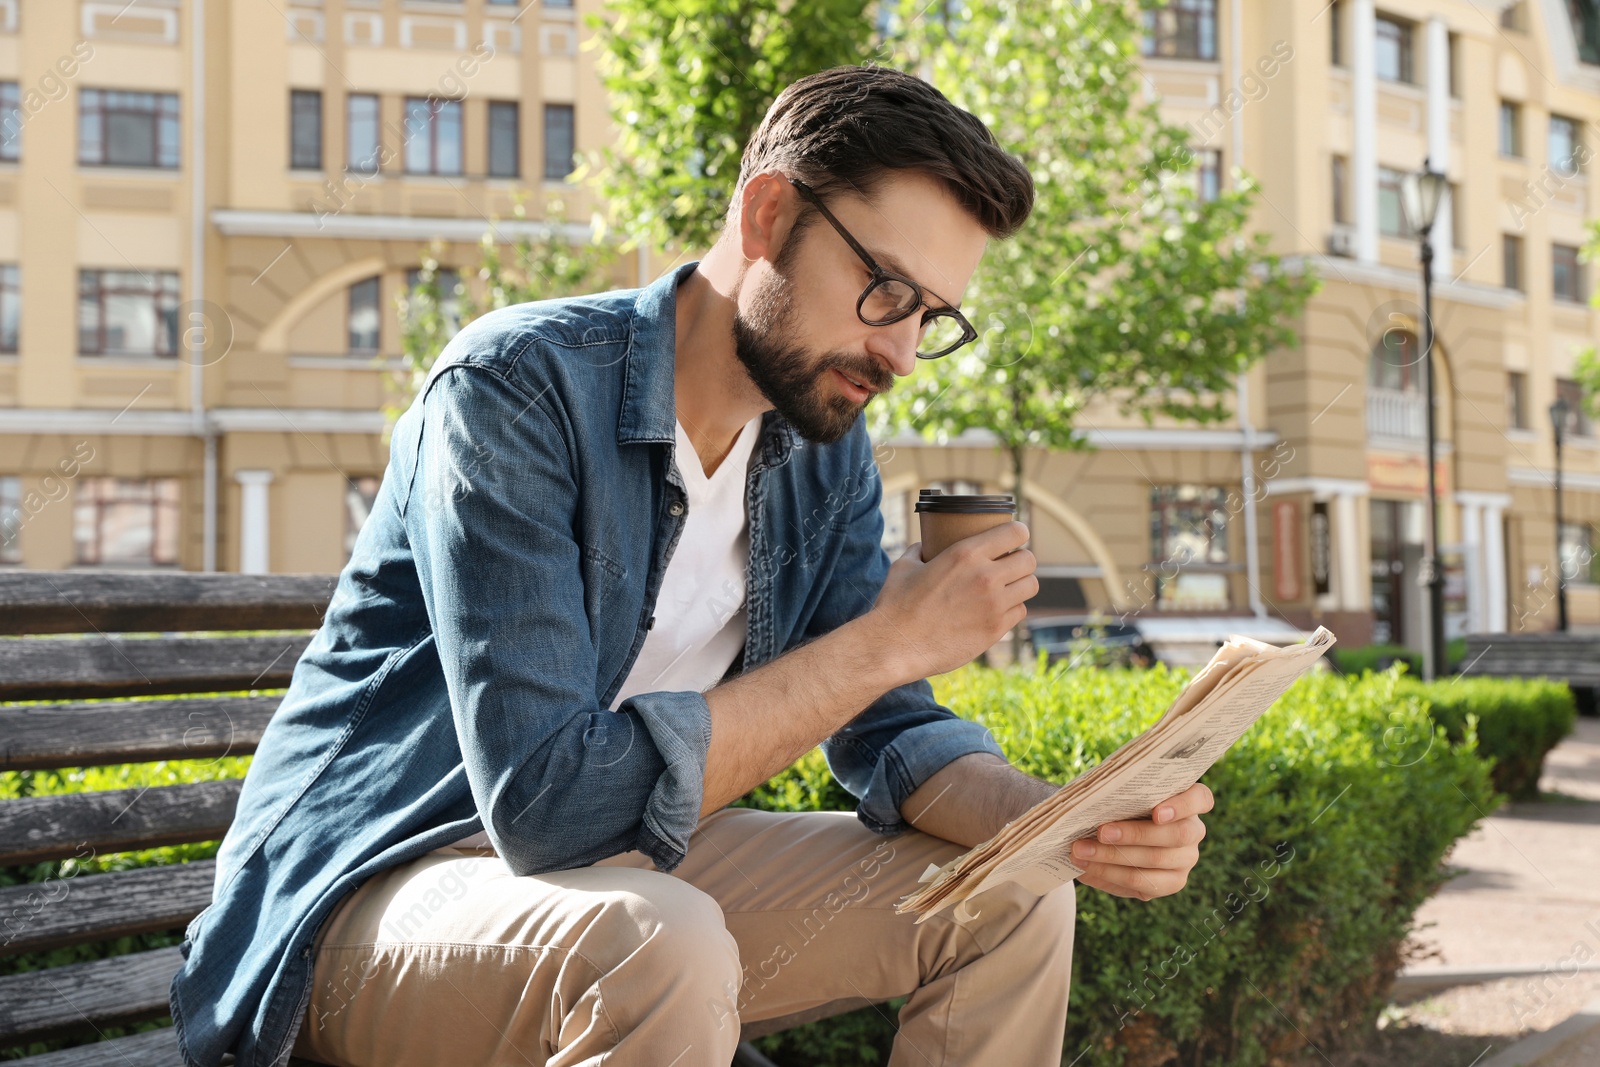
(796, 384)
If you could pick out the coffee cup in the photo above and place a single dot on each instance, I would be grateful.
(945, 518)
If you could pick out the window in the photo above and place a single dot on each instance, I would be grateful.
(1182, 29)
(1511, 17)
(505, 144)
(1585, 18)
(10, 122)
(1576, 553)
(1336, 33)
(10, 306)
(1458, 224)
(433, 136)
(305, 129)
(117, 129)
(126, 522)
(1511, 260)
(1564, 145)
(448, 281)
(1452, 49)
(1393, 54)
(1341, 191)
(10, 519)
(559, 145)
(127, 313)
(1208, 173)
(1510, 129)
(1566, 274)
(1189, 546)
(361, 133)
(364, 320)
(1396, 364)
(1516, 400)
(359, 494)
(1577, 415)
(557, 3)
(1391, 215)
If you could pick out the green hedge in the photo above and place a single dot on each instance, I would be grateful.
(1519, 720)
(1333, 815)
(1363, 658)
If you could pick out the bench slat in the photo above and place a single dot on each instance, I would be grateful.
(56, 602)
(137, 731)
(34, 829)
(153, 1048)
(98, 907)
(60, 668)
(63, 1000)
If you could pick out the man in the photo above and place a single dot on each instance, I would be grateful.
(623, 567)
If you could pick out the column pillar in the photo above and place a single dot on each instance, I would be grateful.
(1494, 568)
(1473, 565)
(1364, 127)
(254, 521)
(1438, 43)
(1347, 536)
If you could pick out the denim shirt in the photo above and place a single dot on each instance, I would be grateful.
(495, 600)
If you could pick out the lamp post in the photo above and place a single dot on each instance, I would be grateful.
(1421, 194)
(1558, 422)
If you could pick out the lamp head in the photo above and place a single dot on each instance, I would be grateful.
(1420, 195)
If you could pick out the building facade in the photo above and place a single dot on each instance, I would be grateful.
(208, 213)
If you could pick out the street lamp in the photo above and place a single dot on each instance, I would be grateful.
(1558, 421)
(1420, 196)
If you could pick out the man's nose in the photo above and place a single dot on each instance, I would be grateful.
(896, 343)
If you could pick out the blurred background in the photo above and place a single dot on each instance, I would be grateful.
(233, 234)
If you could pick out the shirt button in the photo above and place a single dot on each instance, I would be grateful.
(675, 509)
(650, 623)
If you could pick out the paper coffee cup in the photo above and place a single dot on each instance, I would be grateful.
(945, 518)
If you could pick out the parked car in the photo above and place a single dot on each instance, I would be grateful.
(1089, 640)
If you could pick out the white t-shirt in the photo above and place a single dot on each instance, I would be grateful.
(700, 608)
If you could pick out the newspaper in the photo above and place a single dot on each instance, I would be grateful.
(1213, 711)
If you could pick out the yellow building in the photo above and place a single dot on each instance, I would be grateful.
(1328, 105)
(208, 212)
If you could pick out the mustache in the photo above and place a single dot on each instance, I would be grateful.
(873, 376)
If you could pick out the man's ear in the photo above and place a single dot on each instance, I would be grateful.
(767, 209)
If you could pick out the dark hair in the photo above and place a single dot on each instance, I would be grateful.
(847, 127)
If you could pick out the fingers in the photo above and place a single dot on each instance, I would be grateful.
(1189, 831)
(1143, 883)
(996, 541)
(1154, 857)
(1189, 804)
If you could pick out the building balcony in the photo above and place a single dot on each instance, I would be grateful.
(1401, 413)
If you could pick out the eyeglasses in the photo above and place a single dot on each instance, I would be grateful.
(890, 297)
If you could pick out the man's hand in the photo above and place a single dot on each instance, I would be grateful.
(1147, 858)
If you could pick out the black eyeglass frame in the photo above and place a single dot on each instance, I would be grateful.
(879, 276)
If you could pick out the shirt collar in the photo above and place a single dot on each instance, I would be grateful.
(649, 407)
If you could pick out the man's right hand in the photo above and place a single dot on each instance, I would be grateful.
(945, 613)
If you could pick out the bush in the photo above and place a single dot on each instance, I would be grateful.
(1519, 720)
(1333, 814)
(1365, 658)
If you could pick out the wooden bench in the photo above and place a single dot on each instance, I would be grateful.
(153, 634)
(1569, 657)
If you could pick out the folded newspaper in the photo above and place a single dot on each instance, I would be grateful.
(1213, 711)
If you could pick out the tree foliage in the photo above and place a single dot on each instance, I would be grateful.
(689, 81)
(1124, 284)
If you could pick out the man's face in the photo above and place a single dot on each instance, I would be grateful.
(795, 327)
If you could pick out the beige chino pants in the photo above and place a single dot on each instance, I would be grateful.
(451, 959)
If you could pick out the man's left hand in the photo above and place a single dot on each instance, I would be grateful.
(1147, 858)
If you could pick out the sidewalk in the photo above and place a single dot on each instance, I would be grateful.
(1529, 899)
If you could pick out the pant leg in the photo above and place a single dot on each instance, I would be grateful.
(810, 897)
(450, 958)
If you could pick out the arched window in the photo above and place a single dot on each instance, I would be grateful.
(363, 317)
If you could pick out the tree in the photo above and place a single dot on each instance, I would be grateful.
(1124, 283)
(689, 81)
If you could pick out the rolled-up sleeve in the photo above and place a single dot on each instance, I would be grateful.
(905, 736)
(559, 780)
